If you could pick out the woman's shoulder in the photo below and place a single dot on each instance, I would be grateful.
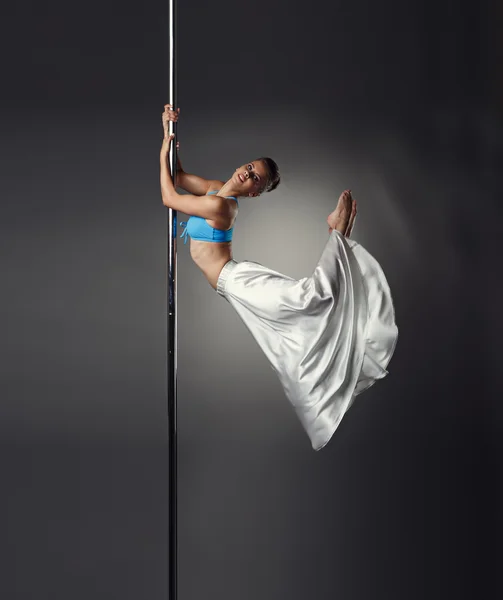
(227, 209)
(231, 201)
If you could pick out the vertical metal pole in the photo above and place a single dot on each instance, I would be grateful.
(172, 330)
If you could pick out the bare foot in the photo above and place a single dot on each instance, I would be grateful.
(352, 219)
(339, 219)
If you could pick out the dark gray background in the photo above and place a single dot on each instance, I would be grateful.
(399, 101)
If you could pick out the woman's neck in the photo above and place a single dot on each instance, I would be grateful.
(228, 189)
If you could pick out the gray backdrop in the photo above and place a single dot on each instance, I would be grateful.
(399, 101)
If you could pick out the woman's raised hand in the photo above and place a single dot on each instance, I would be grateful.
(172, 114)
(169, 115)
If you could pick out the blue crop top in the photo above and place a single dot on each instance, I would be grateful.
(198, 229)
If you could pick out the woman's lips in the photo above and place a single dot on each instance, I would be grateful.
(241, 178)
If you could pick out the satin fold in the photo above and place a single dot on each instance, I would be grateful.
(328, 337)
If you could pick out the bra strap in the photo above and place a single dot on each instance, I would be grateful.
(185, 233)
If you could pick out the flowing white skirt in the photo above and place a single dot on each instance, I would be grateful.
(329, 336)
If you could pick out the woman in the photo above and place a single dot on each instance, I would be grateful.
(329, 336)
(212, 204)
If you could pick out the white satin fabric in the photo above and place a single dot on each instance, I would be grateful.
(329, 336)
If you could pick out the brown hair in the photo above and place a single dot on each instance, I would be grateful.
(274, 176)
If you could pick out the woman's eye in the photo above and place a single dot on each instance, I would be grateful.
(256, 178)
(249, 167)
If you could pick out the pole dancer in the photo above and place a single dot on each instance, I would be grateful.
(328, 336)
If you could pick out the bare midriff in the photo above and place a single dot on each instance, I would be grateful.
(211, 257)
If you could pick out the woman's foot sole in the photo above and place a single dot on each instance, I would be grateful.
(352, 220)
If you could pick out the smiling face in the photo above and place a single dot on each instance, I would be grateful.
(251, 179)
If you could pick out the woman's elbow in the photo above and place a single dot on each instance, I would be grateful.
(169, 200)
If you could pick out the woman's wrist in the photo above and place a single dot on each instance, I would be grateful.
(165, 148)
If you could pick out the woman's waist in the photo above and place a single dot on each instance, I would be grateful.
(209, 252)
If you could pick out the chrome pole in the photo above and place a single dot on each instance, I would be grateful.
(172, 330)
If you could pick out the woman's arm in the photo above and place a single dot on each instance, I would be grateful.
(187, 181)
(195, 184)
(208, 207)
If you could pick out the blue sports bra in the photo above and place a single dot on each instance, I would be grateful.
(198, 229)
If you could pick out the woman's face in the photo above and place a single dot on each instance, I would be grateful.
(250, 179)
